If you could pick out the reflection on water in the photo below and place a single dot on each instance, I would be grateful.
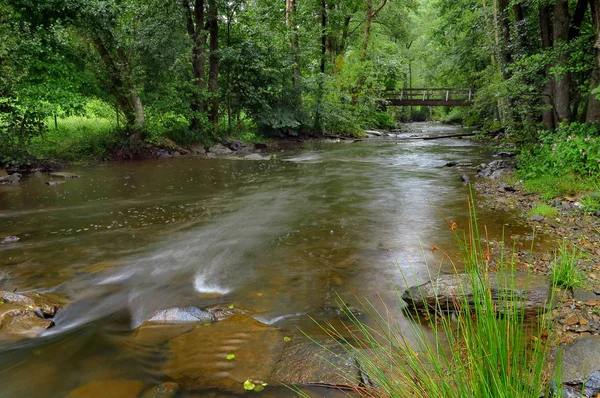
(281, 238)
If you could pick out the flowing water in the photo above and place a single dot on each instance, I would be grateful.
(281, 238)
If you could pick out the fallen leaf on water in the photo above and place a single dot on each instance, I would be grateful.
(230, 357)
(231, 306)
(248, 385)
(287, 339)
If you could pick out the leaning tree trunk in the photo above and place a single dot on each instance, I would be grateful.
(213, 74)
(562, 81)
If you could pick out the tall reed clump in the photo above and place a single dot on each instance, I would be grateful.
(486, 348)
(565, 268)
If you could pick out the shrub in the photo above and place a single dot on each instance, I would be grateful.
(572, 148)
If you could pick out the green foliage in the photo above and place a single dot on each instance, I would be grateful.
(571, 149)
(591, 202)
(544, 210)
(557, 186)
(565, 269)
(19, 125)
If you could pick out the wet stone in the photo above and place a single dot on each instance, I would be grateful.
(164, 390)
(179, 315)
(10, 179)
(537, 217)
(585, 296)
(64, 175)
(580, 360)
(198, 359)
(222, 311)
(21, 321)
(530, 292)
(43, 305)
(11, 239)
(324, 363)
(54, 183)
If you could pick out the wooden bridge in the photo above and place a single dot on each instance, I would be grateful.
(429, 97)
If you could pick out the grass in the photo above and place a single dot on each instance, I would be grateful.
(565, 269)
(484, 349)
(550, 187)
(76, 138)
(544, 210)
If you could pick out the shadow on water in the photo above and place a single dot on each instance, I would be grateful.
(281, 238)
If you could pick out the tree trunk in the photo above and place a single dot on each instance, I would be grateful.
(198, 35)
(562, 85)
(593, 110)
(367, 31)
(120, 80)
(547, 42)
(320, 89)
(213, 74)
(290, 16)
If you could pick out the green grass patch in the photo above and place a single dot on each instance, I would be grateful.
(565, 269)
(76, 138)
(544, 210)
(550, 187)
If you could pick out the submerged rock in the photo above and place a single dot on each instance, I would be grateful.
(198, 359)
(43, 305)
(164, 390)
(226, 354)
(25, 315)
(54, 183)
(64, 175)
(10, 179)
(531, 293)
(325, 363)
(180, 315)
(120, 388)
(11, 239)
(21, 321)
(222, 311)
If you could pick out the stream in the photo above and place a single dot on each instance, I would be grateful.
(280, 238)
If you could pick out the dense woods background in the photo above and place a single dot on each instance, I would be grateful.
(79, 78)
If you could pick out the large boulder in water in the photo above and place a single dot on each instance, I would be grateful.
(529, 292)
(45, 306)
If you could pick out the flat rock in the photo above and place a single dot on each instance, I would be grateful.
(580, 359)
(44, 305)
(120, 388)
(255, 156)
(64, 175)
(532, 292)
(537, 217)
(180, 315)
(585, 296)
(164, 390)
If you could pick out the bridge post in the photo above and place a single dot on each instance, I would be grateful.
(447, 95)
(470, 94)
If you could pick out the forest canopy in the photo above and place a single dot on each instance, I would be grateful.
(109, 73)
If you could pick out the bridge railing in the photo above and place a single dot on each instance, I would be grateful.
(431, 94)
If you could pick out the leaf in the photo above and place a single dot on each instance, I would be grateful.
(286, 339)
(258, 388)
(248, 385)
(231, 306)
(230, 357)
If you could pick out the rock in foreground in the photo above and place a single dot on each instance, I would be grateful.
(581, 367)
(25, 315)
(179, 315)
(532, 293)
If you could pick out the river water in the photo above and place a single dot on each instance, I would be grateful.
(281, 238)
